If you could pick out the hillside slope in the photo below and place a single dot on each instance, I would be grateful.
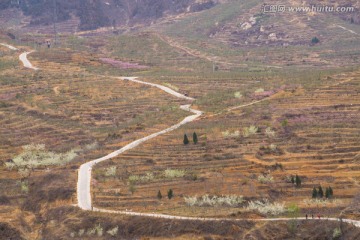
(100, 13)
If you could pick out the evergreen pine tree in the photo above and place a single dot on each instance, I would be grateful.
(195, 138)
(292, 180)
(314, 193)
(297, 181)
(170, 194)
(159, 196)
(186, 140)
(331, 192)
(320, 192)
(327, 193)
(315, 40)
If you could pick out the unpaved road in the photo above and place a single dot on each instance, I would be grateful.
(22, 57)
(9, 46)
(84, 173)
(26, 62)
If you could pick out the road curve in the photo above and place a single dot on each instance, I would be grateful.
(84, 173)
(26, 62)
(22, 57)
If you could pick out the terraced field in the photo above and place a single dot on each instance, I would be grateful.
(316, 137)
(66, 108)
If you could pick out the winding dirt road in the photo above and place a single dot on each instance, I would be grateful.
(84, 173)
(26, 62)
(22, 57)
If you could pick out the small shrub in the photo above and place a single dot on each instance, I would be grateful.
(81, 232)
(315, 40)
(269, 132)
(265, 207)
(174, 173)
(132, 188)
(141, 178)
(110, 172)
(35, 155)
(293, 210)
(191, 201)
(134, 178)
(228, 134)
(24, 185)
(206, 200)
(114, 231)
(284, 123)
(337, 233)
(250, 131)
(259, 90)
(91, 231)
(99, 230)
(323, 202)
(265, 178)
(238, 95)
(273, 147)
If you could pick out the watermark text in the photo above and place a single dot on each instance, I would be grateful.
(307, 9)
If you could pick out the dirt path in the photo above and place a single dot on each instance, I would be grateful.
(9, 46)
(196, 53)
(26, 62)
(346, 29)
(22, 57)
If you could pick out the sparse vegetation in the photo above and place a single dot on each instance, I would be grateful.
(269, 132)
(265, 207)
(35, 155)
(265, 178)
(114, 231)
(174, 173)
(141, 178)
(228, 134)
(111, 171)
(212, 201)
(337, 233)
(248, 131)
(238, 95)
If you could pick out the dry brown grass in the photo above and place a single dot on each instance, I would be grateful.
(319, 143)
